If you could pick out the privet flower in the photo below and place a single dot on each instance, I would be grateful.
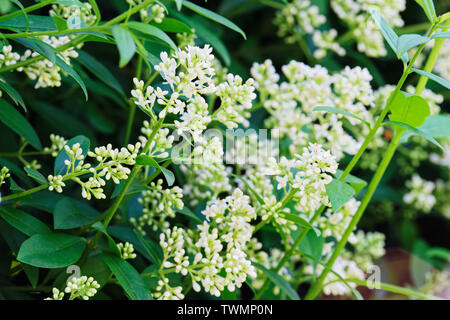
(68, 11)
(111, 165)
(218, 248)
(126, 250)
(82, 287)
(57, 144)
(4, 174)
(190, 73)
(159, 204)
(154, 12)
(420, 193)
(291, 104)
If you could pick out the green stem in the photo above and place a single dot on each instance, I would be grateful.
(26, 10)
(317, 286)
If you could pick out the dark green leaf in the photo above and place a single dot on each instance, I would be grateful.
(213, 16)
(125, 44)
(23, 222)
(16, 122)
(60, 167)
(189, 214)
(278, 281)
(172, 25)
(111, 243)
(339, 193)
(70, 213)
(298, 220)
(145, 160)
(36, 176)
(15, 96)
(152, 31)
(52, 250)
(94, 66)
(130, 280)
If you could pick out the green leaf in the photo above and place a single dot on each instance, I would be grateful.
(414, 131)
(111, 243)
(52, 250)
(428, 7)
(94, 66)
(433, 77)
(35, 23)
(188, 213)
(32, 274)
(23, 222)
(145, 160)
(172, 25)
(409, 109)
(70, 214)
(298, 220)
(437, 126)
(60, 167)
(15, 96)
(125, 44)
(312, 245)
(36, 175)
(152, 31)
(356, 183)
(441, 35)
(150, 248)
(53, 55)
(60, 23)
(16, 122)
(213, 16)
(388, 33)
(127, 234)
(341, 111)
(71, 3)
(339, 193)
(130, 280)
(279, 281)
(409, 41)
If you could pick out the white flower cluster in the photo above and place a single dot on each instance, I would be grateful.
(291, 104)
(159, 204)
(190, 74)
(218, 247)
(126, 250)
(367, 246)
(333, 224)
(112, 165)
(8, 57)
(4, 174)
(356, 14)
(44, 71)
(301, 17)
(82, 287)
(66, 12)
(57, 144)
(444, 159)
(347, 269)
(153, 12)
(420, 193)
(313, 170)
